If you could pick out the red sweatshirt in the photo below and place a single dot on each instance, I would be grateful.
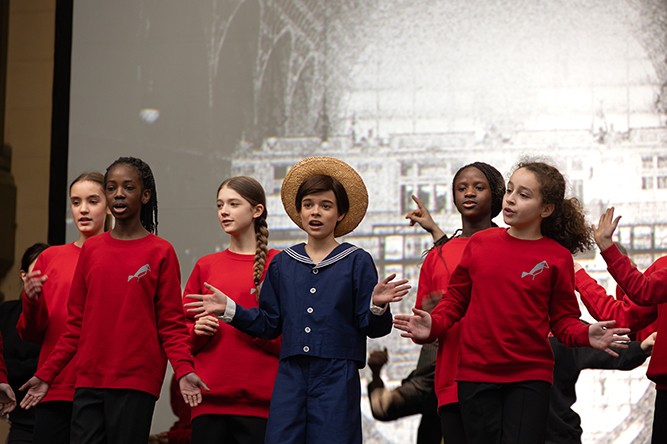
(3, 366)
(125, 317)
(239, 369)
(649, 288)
(512, 293)
(43, 320)
(603, 307)
(434, 275)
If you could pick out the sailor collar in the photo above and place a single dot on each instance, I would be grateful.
(340, 252)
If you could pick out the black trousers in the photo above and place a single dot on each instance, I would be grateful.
(52, 422)
(659, 435)
(505, 413)
(228, 429)
(451, 424)
(111, 416)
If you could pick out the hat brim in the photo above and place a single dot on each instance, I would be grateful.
(354, 186)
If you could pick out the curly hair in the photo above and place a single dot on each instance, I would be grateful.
(148, 214)
(252, 191)
(567, 223)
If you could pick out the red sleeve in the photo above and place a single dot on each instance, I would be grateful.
(33, 320)
(169, 314)
(34, 317)
(605, 307)
(648, 288)
(425, 285)
(194, 286)
(69, 341)
(454, 303)
(564, 310)
(3, 366)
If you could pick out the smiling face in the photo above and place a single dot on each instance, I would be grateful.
(319, 214)
(125, 193)
(235, 214)
(523, 207)
(472, 195)
(89, 207)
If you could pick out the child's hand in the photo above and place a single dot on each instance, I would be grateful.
(207, 304)
(386, 291)
(423, 217)
(190, 386)
(605, 229)
(648, 343)
(417, 326)
(7, 399)
(603, 337)
(206, 326)
(36, 391)
(32, 284)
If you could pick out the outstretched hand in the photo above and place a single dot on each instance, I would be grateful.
(190, 386)
(604, 231)
(417, 326)
(32, 284)
(603, 337)
(36, 390)
(7, 399)
(387, 291)
(207, 304)
(423, 217)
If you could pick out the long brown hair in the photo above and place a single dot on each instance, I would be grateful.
(252, 191)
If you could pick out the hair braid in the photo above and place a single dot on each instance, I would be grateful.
(261, 252)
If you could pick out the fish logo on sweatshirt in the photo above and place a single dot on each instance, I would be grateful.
(537, 269)
(141, 272)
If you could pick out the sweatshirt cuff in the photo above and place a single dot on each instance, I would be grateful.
(611, 254)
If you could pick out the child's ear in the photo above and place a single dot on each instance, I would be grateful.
(145, 196)
(547, 210)
(340, 217)
(258, 211)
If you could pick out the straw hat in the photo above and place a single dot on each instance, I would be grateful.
(339, 170)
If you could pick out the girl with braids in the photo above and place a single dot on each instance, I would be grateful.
(514, 286)
(477, 190)
(44, 299)
(237, 408)
(324, 299)
(124, 320)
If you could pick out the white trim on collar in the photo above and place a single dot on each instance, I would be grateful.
(307, 260)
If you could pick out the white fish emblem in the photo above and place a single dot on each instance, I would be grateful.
(141, 272)
(537, 269)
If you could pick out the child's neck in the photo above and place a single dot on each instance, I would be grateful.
(128, 231)
(318, 249)
(525, 233)
(244, 243)
(472, 227)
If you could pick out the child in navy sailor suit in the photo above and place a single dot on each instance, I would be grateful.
(325, 299)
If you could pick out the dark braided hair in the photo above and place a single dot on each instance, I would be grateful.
(496, 184)
(252, 191)
(567, 224)
(149, 210)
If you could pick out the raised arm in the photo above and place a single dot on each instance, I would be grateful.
(423, 217)
(647, 288)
